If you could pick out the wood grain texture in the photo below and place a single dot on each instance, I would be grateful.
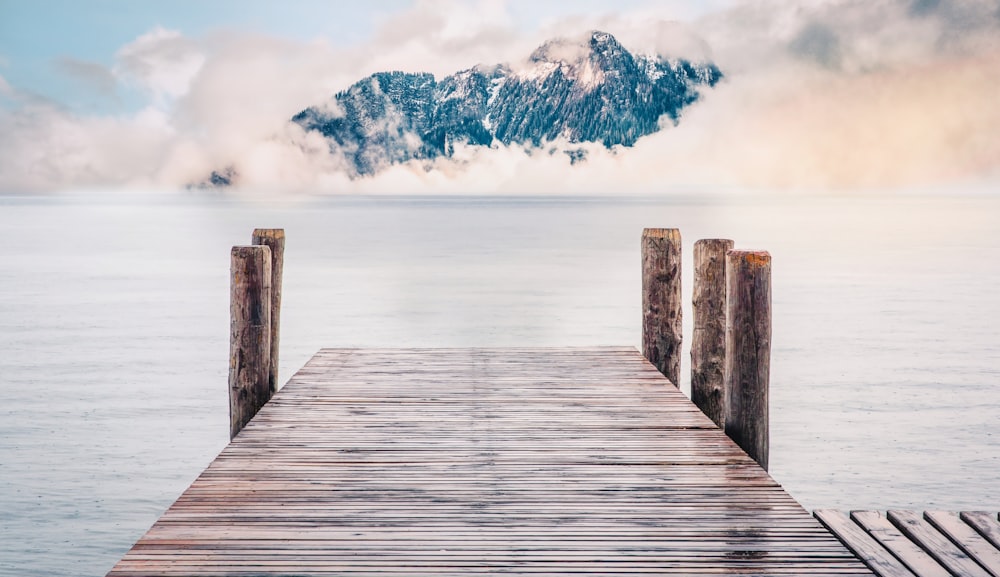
(937, 545)
(871, 552)
(274, 239)
(450, 462)
(986, 524)
(662, 327)
(910, 553)
(902, 543)
(708, 345)
(748, 351)
(250, 334)
(966, 537)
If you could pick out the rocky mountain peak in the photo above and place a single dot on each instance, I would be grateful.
(587, 59)
(587, 89)
(575, 51)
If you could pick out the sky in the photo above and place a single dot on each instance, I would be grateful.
(47, 47)
(842, 95)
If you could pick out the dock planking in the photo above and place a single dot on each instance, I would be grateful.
(907, 544)
(483, 461)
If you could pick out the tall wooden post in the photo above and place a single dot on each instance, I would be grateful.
(662, 331)
(708, 345)
(748, 350)
(250, 334)
(274, 239)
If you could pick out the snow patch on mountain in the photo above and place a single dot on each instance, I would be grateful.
(588, 89)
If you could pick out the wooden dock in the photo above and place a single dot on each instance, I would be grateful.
(910, 544)
(484, 461)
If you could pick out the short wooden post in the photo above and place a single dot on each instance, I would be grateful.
(708, 345)
(662, 331)
(274, 239)
(250, 334)
(748, 350)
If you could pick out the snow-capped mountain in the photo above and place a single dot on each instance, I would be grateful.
(573, 91)
(588, 90)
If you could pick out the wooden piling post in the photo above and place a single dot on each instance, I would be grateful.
(274, 239)
(748, 350)
(250, 334)
(662, 331)
(708, 345)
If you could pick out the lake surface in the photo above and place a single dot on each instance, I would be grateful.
(114, 334)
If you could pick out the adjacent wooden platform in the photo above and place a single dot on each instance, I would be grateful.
(475, 461)
(932, 544)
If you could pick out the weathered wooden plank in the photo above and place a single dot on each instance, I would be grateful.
(937, 545)
(911, 554)
(864, 546)
(967, 538)
(482, 461)
(986, 524)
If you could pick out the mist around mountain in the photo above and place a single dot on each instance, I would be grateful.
(585, 90)
(819, 97)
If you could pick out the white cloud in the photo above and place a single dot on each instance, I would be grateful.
(825, 94)
(831, 95)
(444, 36)
(817, 129)
(162, 62)
(842, 94)
(46, 148)
(850, 35)
(5, 88)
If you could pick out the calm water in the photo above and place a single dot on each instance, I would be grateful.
(114, 334)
